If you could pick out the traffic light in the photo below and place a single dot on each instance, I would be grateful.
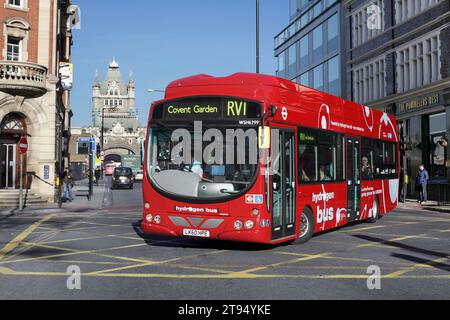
(98, 151)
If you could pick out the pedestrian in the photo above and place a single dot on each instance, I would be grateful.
(67, 185)
(97, 175)
(402, 186)
(421, 184)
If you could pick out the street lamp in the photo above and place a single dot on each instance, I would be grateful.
(257, 36)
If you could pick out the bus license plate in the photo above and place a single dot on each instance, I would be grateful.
(196, 233)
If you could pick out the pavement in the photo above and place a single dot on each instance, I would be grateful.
(434, 206)
(39, 253)
(101, 199)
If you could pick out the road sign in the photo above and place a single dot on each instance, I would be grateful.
(23, 144)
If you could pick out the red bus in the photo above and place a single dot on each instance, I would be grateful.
(323, 162)
(109, 169)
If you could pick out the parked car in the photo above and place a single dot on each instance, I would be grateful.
(139, 175)
(122, 178)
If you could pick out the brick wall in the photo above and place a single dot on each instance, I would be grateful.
(32, 17)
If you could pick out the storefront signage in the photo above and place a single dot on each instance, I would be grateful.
(419, 103)
(66, 74)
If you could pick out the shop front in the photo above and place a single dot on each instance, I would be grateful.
(424, 124)
(12, 128)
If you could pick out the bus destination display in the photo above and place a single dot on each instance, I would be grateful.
(211, 109)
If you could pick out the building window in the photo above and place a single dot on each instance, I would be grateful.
(406, 9)
(294, 9)
(367, 22)
(300, 21)
(369, 81)
(304, 52)
(333, 76)
(333, 34)
(318, 43)
(318, 77)
(418, 64)
(304, 79)
(282, 65)
(13, 49)
(292, 69)
(439, 145)
(15, 3)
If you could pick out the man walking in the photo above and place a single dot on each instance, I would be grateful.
(67, 185)
(421, 184)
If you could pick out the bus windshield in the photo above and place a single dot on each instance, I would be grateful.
(201, 170)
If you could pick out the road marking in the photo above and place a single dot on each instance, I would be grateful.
(9, 272)
(72, 252)
(361, 229)
(248, 273)
(22, 236)
(419, 266)
(385, 242)
(152, 263)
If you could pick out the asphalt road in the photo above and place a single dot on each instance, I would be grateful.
(411, 249)
(123, 199)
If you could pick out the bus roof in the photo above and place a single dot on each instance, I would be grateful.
(300, 101)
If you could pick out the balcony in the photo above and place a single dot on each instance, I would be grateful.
(23, 79)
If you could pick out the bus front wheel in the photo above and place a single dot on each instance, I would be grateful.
(375, 212)
(306, 226)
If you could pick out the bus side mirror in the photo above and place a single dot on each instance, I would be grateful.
(264, 137)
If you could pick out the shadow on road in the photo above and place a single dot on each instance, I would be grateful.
(416, 260)
(403, 246)
(406, 247)
(170, 242)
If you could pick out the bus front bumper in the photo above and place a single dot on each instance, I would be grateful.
(255, 235)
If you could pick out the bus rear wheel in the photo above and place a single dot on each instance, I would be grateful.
(306, 226)
(375, 212)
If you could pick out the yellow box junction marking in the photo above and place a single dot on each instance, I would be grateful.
(21, 237)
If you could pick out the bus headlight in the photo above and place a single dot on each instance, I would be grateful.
(255, 212)
(238, 225)
(149, 218)
(158, 219)
(147, 205)
(249, 224)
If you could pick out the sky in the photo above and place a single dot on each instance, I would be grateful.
(164, 40)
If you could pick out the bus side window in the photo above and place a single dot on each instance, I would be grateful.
(367, 165)
(308, 163)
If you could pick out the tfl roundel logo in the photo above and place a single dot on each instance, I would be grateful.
(254, 199)
(285, 114)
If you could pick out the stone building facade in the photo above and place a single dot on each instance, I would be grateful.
(393, 55)
(35, 38)
(113, 111)
(397, 59)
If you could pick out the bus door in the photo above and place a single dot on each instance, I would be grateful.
(283, 183)
(353, 179)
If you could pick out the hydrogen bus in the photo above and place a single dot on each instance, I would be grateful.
(256, 158)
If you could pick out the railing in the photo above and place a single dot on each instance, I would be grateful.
(22, 78)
